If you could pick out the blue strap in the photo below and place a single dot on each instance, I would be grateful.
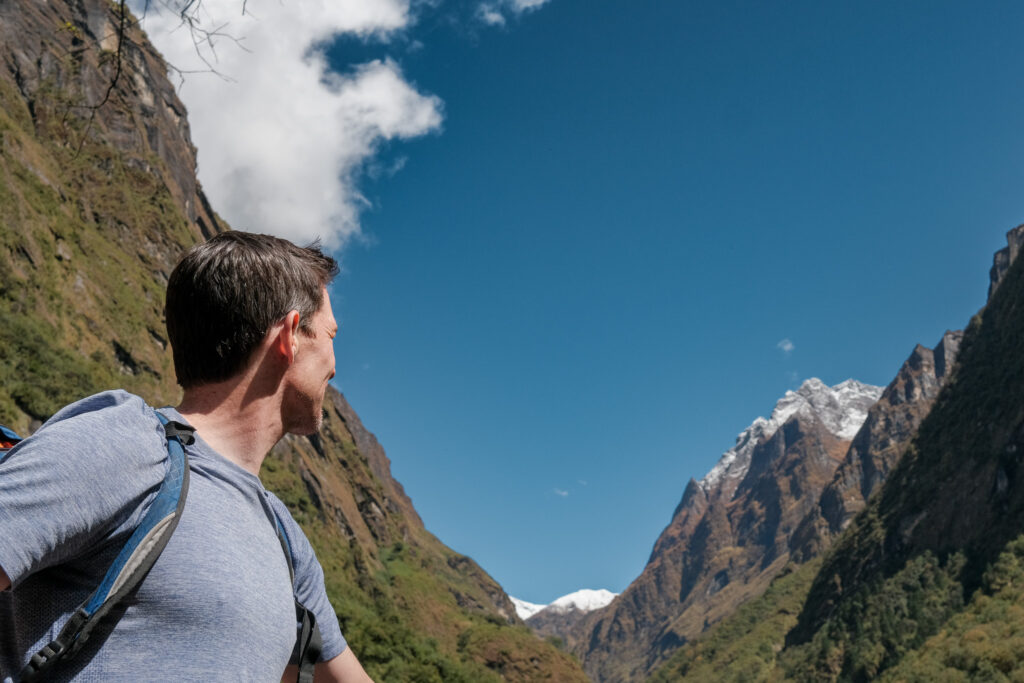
(161, 511)
(8, 435)
(8, 440)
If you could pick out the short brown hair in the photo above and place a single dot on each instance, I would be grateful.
(225, 294)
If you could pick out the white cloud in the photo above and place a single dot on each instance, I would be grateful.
(561, 492)
(283, 142)
(786, 346)
(493, 12)
(491, 16)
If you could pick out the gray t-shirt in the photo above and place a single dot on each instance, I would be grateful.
(217, 605)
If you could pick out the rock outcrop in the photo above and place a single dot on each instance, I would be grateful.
(1005, 257)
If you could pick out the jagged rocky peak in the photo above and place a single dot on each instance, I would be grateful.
(842, 409)
(1005, 257)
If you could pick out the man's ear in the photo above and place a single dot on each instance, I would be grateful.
(287, 339)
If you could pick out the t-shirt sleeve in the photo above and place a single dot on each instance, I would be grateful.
(309, 584)
(76, 481)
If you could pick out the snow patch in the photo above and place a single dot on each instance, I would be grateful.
(842, 409)
(524, 609)
(585, 600)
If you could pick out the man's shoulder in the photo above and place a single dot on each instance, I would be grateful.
(108, 422)
(106, 405)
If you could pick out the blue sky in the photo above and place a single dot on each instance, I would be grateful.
(571, 263)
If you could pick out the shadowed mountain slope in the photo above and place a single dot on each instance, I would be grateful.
(97, 203)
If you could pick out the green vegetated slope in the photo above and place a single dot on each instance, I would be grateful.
(927, 583)
(744, 646)
(95, 209)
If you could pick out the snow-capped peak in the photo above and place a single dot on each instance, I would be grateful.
(842, 409)
(524, 609)
(585, 600)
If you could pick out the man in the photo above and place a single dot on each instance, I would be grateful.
(251, 328)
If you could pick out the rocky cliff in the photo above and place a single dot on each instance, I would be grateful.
(98, 199)
(877, 447)
(730, 534)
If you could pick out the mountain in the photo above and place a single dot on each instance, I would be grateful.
(744, 645)
(98, 200)
(730, 535)
(557, 619)
(926, 582)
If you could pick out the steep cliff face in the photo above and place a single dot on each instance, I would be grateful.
(96, 205)
(730, 534)
(876, 449)
(98, 199)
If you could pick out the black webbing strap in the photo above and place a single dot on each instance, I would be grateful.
(185, 434)
(116, 583)
(309, 644)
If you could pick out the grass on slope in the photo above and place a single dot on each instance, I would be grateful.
(744, 647)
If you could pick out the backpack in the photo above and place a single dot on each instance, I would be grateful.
(141, 551)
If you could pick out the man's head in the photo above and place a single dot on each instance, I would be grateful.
(226, 294)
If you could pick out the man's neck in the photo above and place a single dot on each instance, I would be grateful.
(235, 423)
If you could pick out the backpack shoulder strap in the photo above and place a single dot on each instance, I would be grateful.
(134, 561)
(308, 641)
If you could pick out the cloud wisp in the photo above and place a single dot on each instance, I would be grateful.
(561, 492)
(786, 346)
(282, 140)
(496, 12)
